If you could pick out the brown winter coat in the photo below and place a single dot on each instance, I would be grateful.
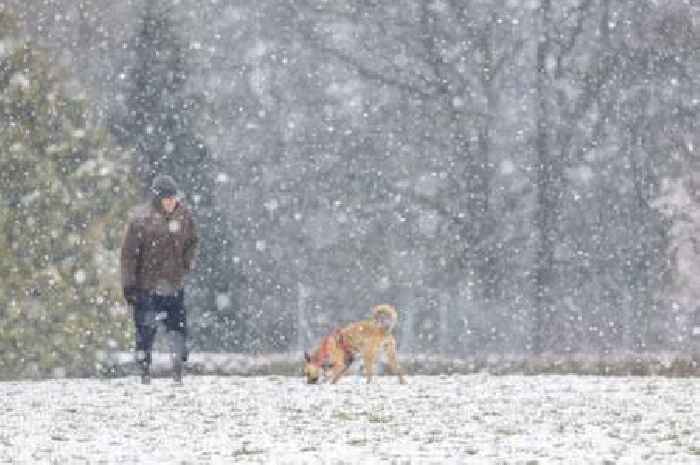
(158, 249)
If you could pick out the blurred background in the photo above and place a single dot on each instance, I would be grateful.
(516, 177)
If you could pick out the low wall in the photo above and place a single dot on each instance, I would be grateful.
(114, 364)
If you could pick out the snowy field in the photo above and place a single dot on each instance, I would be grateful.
(278, 420)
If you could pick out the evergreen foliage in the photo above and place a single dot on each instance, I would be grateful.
(63, 190)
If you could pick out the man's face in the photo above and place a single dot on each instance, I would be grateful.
(168, 204)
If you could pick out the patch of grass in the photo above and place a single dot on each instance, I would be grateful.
(378, 418)
(357, 442)
(507, 431)
(434, 436)
(342, 416)
(245, 451)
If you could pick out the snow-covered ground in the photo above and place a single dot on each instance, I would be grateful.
(279, 420)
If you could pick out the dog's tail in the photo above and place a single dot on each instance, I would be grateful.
(385, 315)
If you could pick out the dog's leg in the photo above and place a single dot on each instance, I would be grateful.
(339, 366)
(338, 372)
(369, 356)
(390, 351)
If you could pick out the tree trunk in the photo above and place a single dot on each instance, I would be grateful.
(544, 221)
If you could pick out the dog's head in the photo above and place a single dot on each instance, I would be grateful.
(312, 371)
(385, 316)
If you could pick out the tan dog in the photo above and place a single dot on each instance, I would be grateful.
(337, 350)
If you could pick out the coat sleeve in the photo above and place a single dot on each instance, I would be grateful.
(191, 245)
(131, 254)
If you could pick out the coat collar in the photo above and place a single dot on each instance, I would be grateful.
(156, 205)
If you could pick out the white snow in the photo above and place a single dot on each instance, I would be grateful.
(223, 301)
(20, 80)
(80, 276)
(434, 419)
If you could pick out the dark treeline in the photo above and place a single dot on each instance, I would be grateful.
(493, 168)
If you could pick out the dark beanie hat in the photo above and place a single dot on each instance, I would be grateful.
(163, 186)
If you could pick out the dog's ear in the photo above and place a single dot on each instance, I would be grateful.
(307, 357)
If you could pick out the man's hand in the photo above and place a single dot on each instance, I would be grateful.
(131, 295)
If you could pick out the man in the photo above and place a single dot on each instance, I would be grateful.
(157, 252)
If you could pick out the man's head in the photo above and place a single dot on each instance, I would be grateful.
(164, 190)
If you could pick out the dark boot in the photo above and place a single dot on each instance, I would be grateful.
(145, 363)
(177, 354)
(177, 371)
(146, 374)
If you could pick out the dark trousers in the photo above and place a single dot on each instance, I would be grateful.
(150, 311)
